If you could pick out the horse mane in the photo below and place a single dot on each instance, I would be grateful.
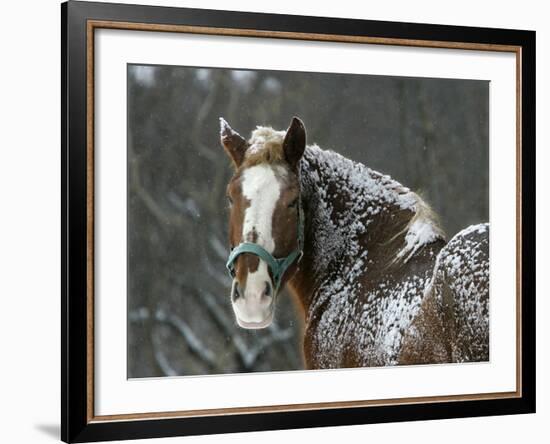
(266, 147)
(423, 228)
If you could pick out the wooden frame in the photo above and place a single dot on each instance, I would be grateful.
(79, 21)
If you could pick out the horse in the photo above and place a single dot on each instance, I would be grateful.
(364, 256)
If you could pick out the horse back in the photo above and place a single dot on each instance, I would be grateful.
(453, 323)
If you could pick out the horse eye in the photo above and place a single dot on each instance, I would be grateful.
(293, 203)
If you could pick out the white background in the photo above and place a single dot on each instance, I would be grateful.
(30, 208)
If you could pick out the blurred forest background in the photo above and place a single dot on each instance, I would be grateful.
(430, 134)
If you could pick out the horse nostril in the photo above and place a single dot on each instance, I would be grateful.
(267, 291)
(236, 292)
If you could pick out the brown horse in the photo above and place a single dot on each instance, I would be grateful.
(363, 255)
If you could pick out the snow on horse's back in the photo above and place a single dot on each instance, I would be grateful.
(456, 304)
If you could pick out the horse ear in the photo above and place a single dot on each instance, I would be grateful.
(234, 144)
(295, 142)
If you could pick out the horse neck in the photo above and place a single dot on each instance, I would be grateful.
(354, 214)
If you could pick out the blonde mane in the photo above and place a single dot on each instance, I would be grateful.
(423, 228)
(265, 146)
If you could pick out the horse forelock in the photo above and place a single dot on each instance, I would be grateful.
(265, 147)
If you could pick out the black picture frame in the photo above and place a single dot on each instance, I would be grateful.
(76, 423)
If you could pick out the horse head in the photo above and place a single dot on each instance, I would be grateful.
(265, 217)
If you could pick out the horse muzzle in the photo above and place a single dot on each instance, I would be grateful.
(254, 305)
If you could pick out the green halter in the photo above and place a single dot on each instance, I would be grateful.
(279, 266)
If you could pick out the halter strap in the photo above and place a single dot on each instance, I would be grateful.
(278, 266)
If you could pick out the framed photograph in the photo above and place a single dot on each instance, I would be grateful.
(275, 221)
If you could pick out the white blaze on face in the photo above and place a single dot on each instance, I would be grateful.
(261, 188)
